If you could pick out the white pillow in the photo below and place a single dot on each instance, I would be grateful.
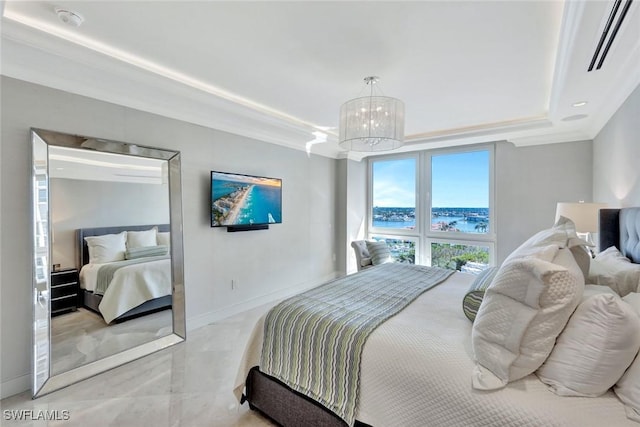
(164, 238)
(628, 387)
(611, 268)
(523, 311)
(591, 290)
(106, 248)
(140, 239)
(598, 344)
(561, 235)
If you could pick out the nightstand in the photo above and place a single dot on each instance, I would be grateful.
(65, 288)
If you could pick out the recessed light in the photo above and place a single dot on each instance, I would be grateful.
(575, 117)
(579, 104)
(70, 18)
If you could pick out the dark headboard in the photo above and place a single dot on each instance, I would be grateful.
(81, 233)
(621, 228)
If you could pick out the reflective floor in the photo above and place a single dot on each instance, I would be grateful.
(82, 336)
(189, 384)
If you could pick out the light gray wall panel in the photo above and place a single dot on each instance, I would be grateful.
(529, 183)
(616, 157)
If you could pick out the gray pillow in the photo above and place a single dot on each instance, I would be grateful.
(379, 252)
(146, 251)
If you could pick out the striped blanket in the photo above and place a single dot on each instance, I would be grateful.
(313, 341)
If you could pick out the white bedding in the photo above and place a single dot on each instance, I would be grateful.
(416, 371)
(131, 286)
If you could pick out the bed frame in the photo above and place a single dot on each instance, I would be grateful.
(90, 300)
(278, 402)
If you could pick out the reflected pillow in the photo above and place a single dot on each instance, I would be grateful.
(164, 238)
(146, 251)
(140, 239)
(380, 253)
(106, 248)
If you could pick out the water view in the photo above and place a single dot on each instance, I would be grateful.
(464, 220)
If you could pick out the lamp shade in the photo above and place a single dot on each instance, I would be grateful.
(583, 215)
(372, 123)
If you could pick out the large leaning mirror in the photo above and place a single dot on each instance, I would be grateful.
(108, 275)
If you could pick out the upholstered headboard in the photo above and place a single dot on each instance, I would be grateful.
(81, 233)
(621, 228)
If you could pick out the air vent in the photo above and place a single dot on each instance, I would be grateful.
(609, 34)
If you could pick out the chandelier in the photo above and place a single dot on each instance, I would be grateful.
(372, 123)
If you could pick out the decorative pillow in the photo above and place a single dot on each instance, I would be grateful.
(611, 268)
(163, 238)
(628, 387)
(379, 252)
(106, 248)
(523, 311)
(598, 344)
(140, 239)
(146, 251)
(472, 300)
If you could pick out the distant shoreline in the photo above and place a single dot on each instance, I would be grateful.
(238, 204)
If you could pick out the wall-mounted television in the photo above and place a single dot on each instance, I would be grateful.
(245, 200)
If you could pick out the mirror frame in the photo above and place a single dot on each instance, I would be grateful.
(42, 382)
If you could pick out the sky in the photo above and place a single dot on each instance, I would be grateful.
(459, 180)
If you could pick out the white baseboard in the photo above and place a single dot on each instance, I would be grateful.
(23, 383)
(222, 313)
(15, 386)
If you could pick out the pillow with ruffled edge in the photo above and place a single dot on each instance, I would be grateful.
(473, 298)
(611, 268)
(524, 309)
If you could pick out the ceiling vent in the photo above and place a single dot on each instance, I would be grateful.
(609, 34)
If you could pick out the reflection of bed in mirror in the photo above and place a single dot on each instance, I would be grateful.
(130, 288)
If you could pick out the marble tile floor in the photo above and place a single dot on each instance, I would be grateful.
(186, 385)
(82, 336)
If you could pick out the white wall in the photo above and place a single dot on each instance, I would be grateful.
(266, 264)
(351, 205)
(529, 183)
(616, 157)
(81, 203)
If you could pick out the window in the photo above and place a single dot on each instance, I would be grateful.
(394, 194)
(460, 192)
(435, 208)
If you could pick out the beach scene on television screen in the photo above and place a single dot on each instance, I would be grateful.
(245, 200)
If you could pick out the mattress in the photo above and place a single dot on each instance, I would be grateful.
(416, 370)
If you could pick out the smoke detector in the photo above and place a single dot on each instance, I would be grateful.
(69, 17)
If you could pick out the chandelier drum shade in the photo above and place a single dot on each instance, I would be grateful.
(372, 123)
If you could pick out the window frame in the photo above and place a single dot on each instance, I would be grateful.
(422, 233)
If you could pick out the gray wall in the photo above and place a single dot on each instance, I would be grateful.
(265, 264)
(80, 204)
(616, 157)
(529, 183)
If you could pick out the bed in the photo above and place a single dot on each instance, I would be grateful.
(416, 367)
(132, 290)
